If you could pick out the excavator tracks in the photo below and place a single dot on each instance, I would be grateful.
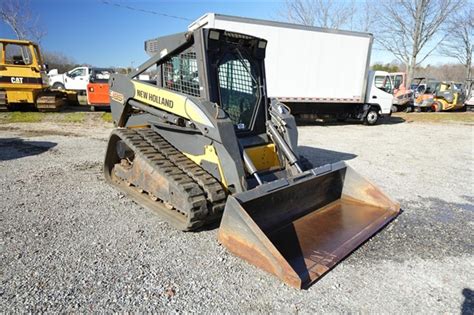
(156, 175)
(49, 101)
(3, 101)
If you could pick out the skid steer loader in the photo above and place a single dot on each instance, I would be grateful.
(205, 143)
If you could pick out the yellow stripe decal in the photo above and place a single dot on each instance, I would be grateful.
(169, 101)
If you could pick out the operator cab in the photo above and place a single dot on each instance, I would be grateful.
(231, 75)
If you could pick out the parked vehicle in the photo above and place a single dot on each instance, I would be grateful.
(75, 79)
(469, 102)
(23, 79)
(439, 96)
(204, 144)
(98, 88)
(314, 70)
(402, 94)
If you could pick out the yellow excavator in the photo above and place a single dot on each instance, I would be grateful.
(23, 79)
(204, 143)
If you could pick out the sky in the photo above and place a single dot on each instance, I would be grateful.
(100, 33)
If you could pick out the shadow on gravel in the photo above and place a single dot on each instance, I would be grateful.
(430, 228)
(15, 148)
(319, 157)
(392, 120)
(467, 306)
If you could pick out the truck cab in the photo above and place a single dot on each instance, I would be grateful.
(75, 79)
(402, 94)
(379, 95)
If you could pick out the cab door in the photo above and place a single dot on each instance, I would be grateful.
(77, 79)
(381, 90)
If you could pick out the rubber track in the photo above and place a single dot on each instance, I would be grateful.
(189, 189)
(215, 193)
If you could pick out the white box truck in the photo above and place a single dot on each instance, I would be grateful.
(316, 71)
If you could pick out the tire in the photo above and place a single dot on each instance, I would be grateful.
(59, 86)
(409, 109)
(417, 109)
(372, 117)
(436, 107)
(394, 109)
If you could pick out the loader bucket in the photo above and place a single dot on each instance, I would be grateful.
(299, 228)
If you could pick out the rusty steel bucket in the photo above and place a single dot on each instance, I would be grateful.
(299, 228)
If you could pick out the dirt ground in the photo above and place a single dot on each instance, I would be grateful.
(70, 242)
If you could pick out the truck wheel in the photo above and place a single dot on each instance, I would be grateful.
(394, 109)
(409, 109)
(417, 109)
(437, 107)
(59, 86)
(372, 117)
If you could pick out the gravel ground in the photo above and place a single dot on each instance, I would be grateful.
(70, 242)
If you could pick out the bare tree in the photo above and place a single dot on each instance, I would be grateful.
(19, 16)
(407, 27)
(366, 16)
(322, 13)
(59, 61)
(459, 39)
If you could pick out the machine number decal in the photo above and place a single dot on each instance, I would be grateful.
(118, 97)
(155, 98)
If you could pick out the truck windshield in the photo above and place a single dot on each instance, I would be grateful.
(239, 90)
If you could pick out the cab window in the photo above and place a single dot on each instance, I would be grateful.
(101, 75)
(383, 83)
(37, 55)
(77, 73)
(397, 81)
(238, 89)
(16, 54)
(180, 73)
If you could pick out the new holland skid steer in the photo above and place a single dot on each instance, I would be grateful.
(23, 78)
(205, 143)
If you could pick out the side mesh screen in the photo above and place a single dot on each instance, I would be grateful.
(180, 74)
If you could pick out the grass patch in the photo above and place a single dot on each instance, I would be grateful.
(107, 117)
(74, 117)
(22, 117)
(461, 117)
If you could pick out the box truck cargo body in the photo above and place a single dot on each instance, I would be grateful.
(315, 70)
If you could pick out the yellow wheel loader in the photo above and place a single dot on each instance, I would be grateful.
(204, 143)
(23, 79)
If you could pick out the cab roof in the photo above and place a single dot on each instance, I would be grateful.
(16, 41)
